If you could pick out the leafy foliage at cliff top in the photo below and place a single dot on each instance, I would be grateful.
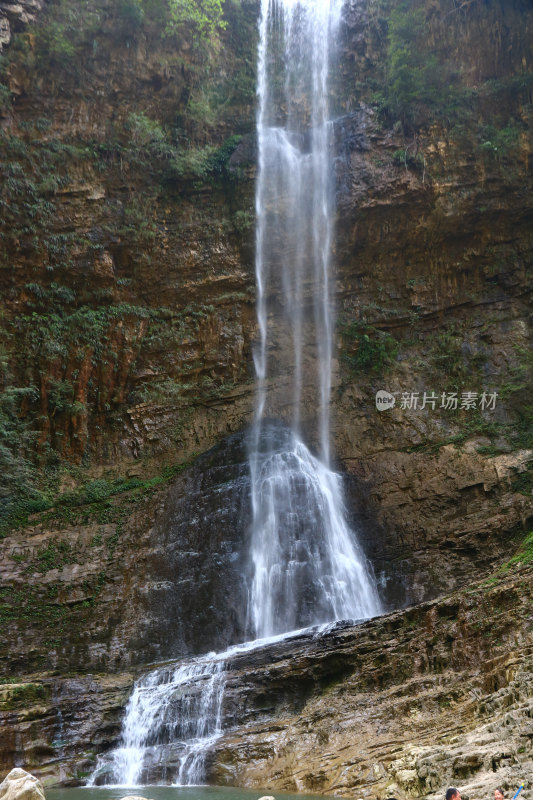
(204, 50)
(424, 79)
(204, 16)
(68, 23)
(414, 77)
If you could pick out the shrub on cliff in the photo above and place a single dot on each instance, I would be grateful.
(366, 348)
(203, 17)
(132, 12)
(416, 82)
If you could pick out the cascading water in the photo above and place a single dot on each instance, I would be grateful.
(308, 569)
(172, 719)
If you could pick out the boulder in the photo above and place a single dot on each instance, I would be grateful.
(20, 785)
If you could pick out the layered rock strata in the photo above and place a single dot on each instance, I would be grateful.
(404, 704)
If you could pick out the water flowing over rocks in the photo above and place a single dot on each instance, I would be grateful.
(437, 694)
(172, 720)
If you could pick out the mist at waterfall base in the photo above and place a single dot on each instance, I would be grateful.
(309, 569)
(305, 565)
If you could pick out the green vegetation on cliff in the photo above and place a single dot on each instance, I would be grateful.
(204, 16)
(127, 160)
(416, 84)
(367, 349)
(423, 80)
(90, 210)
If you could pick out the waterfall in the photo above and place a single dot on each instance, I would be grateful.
(172, 719)
(308, 567)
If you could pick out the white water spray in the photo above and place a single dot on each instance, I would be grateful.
(172, 721)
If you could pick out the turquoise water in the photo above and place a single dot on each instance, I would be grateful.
(168, 793)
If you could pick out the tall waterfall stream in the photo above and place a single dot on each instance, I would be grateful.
(307, 566)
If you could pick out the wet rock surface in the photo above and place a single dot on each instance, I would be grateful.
(408, 704)
(404, 704)
(48, 721)
(193, 596)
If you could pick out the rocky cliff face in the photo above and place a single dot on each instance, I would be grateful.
(128, 281)
(126, 270)
(407, 704)
(404, 704)
(15, 16)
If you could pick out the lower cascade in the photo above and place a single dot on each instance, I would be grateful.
(172, 719)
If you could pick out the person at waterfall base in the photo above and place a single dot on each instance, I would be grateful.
(498, 794)
(453, 794)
